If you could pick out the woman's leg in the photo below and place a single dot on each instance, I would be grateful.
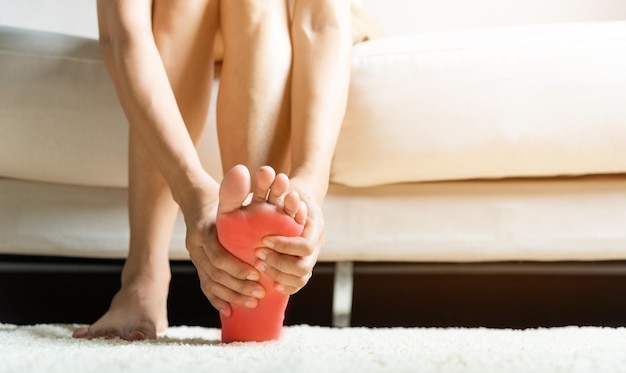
(184, 33)
(283, 87)
(253, 103)
(262, 96)
(253, 125)
(322, 45)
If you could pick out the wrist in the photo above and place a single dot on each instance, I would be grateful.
(194, 191)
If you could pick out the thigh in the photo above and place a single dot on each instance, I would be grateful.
(184, 32)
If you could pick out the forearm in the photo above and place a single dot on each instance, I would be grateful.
(148, 101)
(321, 38)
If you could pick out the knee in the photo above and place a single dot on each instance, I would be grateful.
(250, 23)
(251, 12)
(314, 17)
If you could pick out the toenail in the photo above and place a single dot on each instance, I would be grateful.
(137, 336)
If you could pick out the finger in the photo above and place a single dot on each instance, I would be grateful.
(221, 305)
(242, 287)
(209, 273)
(305, 245)
(223, 260)
(286, 283)
(294, 246)
(215, 272)
(213, 290)
(291, 265)
(211, 270)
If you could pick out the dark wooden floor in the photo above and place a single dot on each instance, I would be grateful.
(59, 290)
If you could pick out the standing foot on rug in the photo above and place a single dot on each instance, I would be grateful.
(241, 228)
(138, 311)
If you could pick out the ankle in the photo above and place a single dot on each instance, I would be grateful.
(145, 274)
(309, 189)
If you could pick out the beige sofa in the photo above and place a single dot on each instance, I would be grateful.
(494, 132)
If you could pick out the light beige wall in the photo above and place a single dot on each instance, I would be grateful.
(73, 17)
(407, 16)
(78, 17)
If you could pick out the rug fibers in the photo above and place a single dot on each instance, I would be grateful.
(50, 348)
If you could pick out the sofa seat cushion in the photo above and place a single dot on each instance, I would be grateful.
(533, 219)
(537, 100)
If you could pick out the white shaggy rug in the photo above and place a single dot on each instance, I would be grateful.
(50, 348)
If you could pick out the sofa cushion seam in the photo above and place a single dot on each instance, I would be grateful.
(50, 57)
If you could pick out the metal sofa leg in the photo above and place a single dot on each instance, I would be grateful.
(342, 294)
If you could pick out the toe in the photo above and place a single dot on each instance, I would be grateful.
(136, 335)
(278, 189)
(263, 179)
(113, 333)
(291, 204)
(301, 215)
(234, 189)
(81, 332)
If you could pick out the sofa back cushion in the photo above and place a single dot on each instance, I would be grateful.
(415, 16)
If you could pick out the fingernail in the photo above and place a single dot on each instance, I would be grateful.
(224, 312)
(250, 303)
(268, 243)
(253, 277)
(261, 255)
(257, 293)
(260, 266)
(280, 288)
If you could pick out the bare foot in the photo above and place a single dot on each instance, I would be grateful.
(138, 311)
(269, 192)
(241, 227)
